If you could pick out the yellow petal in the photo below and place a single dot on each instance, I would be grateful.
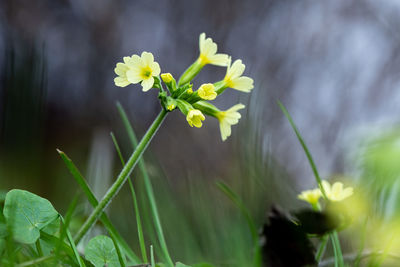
(121, 69)
(236, 107)
(337, 188)
(347, 192)
(195, 118)
(134, 62)
(244, 84)
(219, 60)
(209, 48)
(155, 69)
(133, 75)
(147, 58)
(202, 38)
(327, 187)
(147, 84)
(121, 82)
(237, 69)
(225, 129)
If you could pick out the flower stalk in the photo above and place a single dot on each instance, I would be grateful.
(122, 177)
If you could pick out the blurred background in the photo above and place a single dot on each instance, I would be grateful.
(333, 64)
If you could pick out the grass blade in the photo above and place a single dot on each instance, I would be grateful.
(305, 148)
(118, 250)
(73, 246)
(245, 212)
(135, 204)
(334, 235)
(148, 186)
(94, 202)
(153, 264)
(65, 225)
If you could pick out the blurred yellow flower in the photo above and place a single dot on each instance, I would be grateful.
(194, 117)
(337, 192)
(207, 91)
(233, 78)
(142, 69)
(208, 52)
(310, 196)
(227, 119)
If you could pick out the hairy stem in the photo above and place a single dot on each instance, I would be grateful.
(122, 177)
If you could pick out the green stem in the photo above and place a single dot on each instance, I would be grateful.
(135, 204)
(337, 250)
(93, 201)
(35, 261)
(148, 188)
(321, 248)
(122, 177)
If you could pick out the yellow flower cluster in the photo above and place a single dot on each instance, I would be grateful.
(335, 192)
(193, 104)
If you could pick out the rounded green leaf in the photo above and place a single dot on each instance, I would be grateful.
(100, 251)
(26, 214)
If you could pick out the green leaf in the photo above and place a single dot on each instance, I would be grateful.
(100, 251)
(52, 227)
(26, 214)
(180, 264)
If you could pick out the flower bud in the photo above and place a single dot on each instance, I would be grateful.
(167, 77)
(169, 81)
(207, 91)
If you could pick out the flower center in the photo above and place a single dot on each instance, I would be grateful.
(221, 115)
(228, 82)
(146, 72)
(203, 60)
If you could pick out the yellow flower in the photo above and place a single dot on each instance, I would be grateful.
(228, 118)
(121, 70)
(167, 77)
(142, 69)
(310, 196)
(233, 78)
(208, 52)
(336, 192)
(207, 91)
(194, 118)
